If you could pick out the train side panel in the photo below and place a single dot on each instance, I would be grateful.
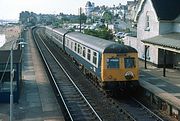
(55, 36)
(78, 56)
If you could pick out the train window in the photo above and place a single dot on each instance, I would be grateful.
(71, 45)
(67, 42)
(95, 58)
(56, 36)
(75, 47)
(60, 39)
(79, 49)
(89, 55)
(112, 62)
(84, 51)
(129, 62)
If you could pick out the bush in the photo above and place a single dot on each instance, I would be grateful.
(103, 33)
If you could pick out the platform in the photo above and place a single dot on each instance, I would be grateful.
(37, 100)
(166, 88)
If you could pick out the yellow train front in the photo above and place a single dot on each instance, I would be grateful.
(119, 68)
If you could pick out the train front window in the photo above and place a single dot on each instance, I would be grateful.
(112, 62)
(129, 62)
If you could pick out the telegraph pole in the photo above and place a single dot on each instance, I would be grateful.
(80, 21)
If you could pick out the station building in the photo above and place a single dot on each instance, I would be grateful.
(8, 36)
(158, 32)
(5, 75)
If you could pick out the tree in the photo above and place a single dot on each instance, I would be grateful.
(83, 18)
(107, 16)
(24, 17)
(104, 33)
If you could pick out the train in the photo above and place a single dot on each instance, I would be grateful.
(110, 64)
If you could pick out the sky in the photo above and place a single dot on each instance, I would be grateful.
(10, 9)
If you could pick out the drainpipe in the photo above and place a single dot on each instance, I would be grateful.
(164, 65)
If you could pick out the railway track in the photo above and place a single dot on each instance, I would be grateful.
(77, 106)
(114, 109)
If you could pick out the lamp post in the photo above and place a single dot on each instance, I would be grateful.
(11, 78)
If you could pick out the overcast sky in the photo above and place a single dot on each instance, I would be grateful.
(10, 9)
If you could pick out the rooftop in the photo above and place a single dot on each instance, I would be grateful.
(171, 40)
(5, 56)
(166, 9)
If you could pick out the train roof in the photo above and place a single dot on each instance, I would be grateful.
(119, 48)
(98, 44)
(101, 45)
(57, 30)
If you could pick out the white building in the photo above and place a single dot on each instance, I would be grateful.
(158, 29)
(89, 8)
(2, 40)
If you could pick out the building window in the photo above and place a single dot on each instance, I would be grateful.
(147, 28)
(89, 55)
(95, 58)
(147, 21)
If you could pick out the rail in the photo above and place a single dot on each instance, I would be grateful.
(60, 93)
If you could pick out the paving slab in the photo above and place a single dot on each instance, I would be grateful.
(168, 87)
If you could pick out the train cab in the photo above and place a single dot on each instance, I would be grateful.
(119, 64)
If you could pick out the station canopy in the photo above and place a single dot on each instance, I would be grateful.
(168, 41)
(5, 56)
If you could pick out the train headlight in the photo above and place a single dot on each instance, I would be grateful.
(129, 75)
(110, 77)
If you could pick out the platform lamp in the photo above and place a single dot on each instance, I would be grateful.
(11, 78)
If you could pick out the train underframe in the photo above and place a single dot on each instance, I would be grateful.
(111, 86)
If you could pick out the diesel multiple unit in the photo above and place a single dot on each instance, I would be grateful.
(111, 64)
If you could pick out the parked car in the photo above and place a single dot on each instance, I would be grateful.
(119, 34)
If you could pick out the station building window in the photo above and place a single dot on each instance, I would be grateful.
(89, 55)
(95, 58)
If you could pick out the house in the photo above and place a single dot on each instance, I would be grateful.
(131, 9)
(158, 32)
(89, 8)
